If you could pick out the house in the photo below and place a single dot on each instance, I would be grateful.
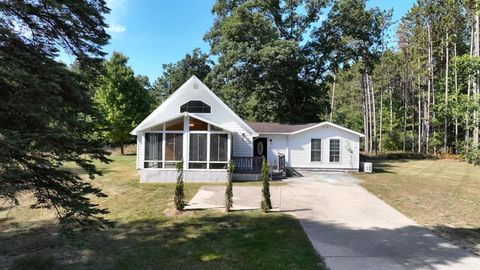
(195, 126)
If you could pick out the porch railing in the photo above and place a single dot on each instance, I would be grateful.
(254, 164)
(281, 162)
(248, 164)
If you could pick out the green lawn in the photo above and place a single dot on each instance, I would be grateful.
(149, 235)
(441, 194)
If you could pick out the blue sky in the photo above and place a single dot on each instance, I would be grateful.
(152, 33)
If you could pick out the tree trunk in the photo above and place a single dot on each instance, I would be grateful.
(365, 117)
(374, 115)
(445, 126)
(433, 102)
(429, 92)
(333, 97)
(469, 90)
(404, 117)
(420, 95)
(456, 94)
(391, 107)
(381, 114)
(369, 114)
(475, 81)
(121, 149)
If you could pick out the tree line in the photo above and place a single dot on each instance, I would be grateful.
(421, 95)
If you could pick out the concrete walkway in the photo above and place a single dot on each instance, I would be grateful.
(244, 198)
(350, 227)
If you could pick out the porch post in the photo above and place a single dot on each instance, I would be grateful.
(229, 147)
(186, 140)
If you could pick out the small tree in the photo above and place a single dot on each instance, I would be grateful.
(179, 193)
(228, 191)
(266, 204)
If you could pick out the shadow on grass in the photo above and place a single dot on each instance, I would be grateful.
(468, 238)
(250, 240)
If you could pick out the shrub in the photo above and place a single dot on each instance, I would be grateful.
(266, 204)
(229, 191)
(471, 154)
(179, 190)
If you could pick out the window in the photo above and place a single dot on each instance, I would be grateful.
(175, 125)
(173, 149)
(197, 125)
(195, 106)
(316, 150)
(218, 151)
(214, 128)
(153, 150)
(198, 151)
(334, 150)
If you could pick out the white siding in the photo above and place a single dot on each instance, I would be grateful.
(299, 149)
(140, 150)
(276, 144)
(242, 145)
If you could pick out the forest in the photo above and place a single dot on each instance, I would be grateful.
(410, 86)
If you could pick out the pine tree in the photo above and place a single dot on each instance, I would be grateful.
(266, 203)
(47, 117)
(229, 190)
(179, 198)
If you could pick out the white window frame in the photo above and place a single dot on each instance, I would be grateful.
(339, 150)
(197, 161)
(145, 150)
(186, 146)
(164, 133)
(210, 133)
(321, 150)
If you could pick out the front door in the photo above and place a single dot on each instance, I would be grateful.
(260, 147)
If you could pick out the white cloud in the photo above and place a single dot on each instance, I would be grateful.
(116, 28)
(118, 8)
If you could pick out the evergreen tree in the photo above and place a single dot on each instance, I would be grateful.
(122, 99)
(47, 118)
(266, 203)
(179, 198)
(229, 190)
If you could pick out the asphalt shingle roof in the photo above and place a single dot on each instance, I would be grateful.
(267, 127)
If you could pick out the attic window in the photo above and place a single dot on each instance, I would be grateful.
(195, 106)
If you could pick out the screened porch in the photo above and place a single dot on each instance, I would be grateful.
(200, 144)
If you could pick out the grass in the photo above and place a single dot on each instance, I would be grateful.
(149, 235)
(443, 195)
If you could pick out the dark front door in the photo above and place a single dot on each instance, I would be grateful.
(260, 147)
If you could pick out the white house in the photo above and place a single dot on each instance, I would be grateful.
(195, 126)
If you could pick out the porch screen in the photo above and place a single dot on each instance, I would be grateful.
(334, 150)
(316, 150)
(153, 150)
(174, 146)
(218, 151)
(198, 151)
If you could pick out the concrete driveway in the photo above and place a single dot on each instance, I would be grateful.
(353, 229)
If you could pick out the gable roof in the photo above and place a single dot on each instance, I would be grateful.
(276, 128)
(192, 88)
